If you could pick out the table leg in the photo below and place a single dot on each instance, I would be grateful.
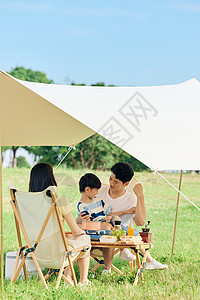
(134, 264)
(140, 266)
(143, 262)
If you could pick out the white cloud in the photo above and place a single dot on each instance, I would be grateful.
(24, 6)
(103, 12)
(188, 6)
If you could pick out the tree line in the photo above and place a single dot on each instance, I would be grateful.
(93, 153)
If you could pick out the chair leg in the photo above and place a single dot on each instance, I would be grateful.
(39, 270)
(99, 264)
(72, 271)
(16, 264)
(117, 270)
(48, 275)
(66, 280)
(95, 267)
(18, 271)
(60, 272)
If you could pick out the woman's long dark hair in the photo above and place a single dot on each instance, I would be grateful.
(41, 177)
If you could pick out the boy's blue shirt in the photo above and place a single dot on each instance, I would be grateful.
(97, 208)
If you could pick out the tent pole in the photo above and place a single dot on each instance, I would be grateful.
(180, 181)
(1, 216)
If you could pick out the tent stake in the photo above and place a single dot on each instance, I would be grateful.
(1, 216)
(180, 181)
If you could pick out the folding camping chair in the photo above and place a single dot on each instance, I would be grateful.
(39, 220)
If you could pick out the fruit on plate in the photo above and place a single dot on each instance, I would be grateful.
(118, 233)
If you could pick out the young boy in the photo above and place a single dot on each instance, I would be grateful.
(95, 207)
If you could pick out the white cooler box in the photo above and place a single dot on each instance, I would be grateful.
(10, 263)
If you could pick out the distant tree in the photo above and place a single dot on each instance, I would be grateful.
(22, 163)
(14, 150)
(48, 154)
(93, 84)
(98, 84)
(93, 153)
(98, 153)
(27, 75)
(78, 84)
(3, 150)
(102, 84)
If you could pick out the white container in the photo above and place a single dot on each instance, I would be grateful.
(10, 263)
(108, 239)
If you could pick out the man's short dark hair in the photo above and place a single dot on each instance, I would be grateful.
(90, 180)
(123, 171)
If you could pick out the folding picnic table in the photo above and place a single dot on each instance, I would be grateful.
(135, 246)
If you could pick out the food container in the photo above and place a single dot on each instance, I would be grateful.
(91, 225)
(108, 239)
(130, 238)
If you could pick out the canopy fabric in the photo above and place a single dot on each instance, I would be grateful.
(157, 125)
(27, 119)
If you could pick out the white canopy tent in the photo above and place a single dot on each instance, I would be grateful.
(157, 125)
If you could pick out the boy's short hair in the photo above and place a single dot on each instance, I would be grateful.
(90, 180)
(123, 171)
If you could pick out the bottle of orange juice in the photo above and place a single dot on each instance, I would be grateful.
(131, 227)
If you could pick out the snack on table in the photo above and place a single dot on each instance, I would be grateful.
(131, 238)
(118, 233)
(108, 239)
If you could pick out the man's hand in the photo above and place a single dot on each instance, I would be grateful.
(131, 210)
(138, 190)
(84, 217)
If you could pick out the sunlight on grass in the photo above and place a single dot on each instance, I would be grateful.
(180, 281)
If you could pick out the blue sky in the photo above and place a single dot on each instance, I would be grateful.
(119, 42)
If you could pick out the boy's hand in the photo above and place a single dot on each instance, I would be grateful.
(138, 190)
(108, 218)
(84, 217)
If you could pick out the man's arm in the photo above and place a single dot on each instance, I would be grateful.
(120, 213)
(140, 212)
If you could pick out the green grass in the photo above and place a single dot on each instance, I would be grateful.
(180, 281)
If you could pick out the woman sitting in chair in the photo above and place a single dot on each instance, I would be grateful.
(41, 178)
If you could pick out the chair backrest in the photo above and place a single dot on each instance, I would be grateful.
(33, 209)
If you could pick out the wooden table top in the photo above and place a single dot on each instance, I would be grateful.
(120, 244)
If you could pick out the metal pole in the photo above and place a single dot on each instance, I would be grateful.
(1, 216)
(180, 181)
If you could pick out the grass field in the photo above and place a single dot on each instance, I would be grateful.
(180, 281)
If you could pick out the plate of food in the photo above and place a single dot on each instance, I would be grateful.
(131, 238)
(108, 239)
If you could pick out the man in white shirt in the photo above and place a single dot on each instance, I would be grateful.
(127, 205)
